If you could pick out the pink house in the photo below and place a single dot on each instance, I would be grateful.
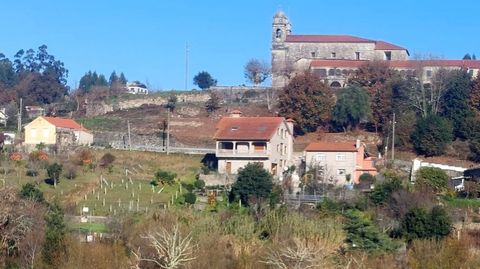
(340, 161)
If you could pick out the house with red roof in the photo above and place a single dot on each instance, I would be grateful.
(242, 140)
(61, 132)
(334, 58)
(338, 163)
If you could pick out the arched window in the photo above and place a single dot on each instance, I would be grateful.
(331, 72)
(278, 33)
(335, 84)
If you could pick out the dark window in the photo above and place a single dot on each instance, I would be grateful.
(314, 55)
(338, 72)
(334, 55)
(336, 84)
(331, 72)
(388, 55)
(429, 73)
(357, 55)
(278, 33)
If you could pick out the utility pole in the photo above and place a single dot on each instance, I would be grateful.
(168, 130)
(186, 66)
(129, 137)
(19, 118)
(393, 138)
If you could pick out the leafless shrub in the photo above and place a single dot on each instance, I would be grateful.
(171, 249)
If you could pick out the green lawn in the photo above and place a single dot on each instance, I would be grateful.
(462, 202)
(88, 227)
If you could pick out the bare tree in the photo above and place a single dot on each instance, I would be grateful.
(21, 223)
(257, 71)
(171, 249)
(301, 255)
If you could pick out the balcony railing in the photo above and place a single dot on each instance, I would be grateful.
(232, 152)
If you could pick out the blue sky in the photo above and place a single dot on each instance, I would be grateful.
(146, 39)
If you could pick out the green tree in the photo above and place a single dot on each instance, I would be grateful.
(455, 100)
(352, 107)
(420, 224)
(363, 234)
(467, 57)
(107, 160)
(213, 103)
(122, 79)
(55, 230)
(253, 183)
(432, 135)
(8, 77)
(382, 192)
(54, 171)
(90, 80)
(204, 80)
(113, 80)
(308, 101)
(432, 177)
(30, 191)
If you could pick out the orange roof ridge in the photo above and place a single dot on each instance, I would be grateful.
(332, 146)
(64, 123)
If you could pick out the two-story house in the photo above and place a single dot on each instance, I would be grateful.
(339, 162)
(242, 140)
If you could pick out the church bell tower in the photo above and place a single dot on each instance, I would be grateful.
(281, 27)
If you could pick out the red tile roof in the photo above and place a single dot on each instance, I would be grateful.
(247, 128)
(331, 147)
(327, 39)
(408, 64)
(64, 123)
(382, 45)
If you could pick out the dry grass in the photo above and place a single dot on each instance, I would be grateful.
(142, 166)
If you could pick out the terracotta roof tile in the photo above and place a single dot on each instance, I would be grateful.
(331, 147)
(382, 45)
(64, 123)
(408, 64)
(247, 128)
(327, 39)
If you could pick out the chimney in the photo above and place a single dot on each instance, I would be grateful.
(358, 144)
(235, 114)
(290, 123)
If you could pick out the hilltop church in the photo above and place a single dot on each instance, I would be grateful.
(334, 58)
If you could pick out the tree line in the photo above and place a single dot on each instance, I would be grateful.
(432, 111)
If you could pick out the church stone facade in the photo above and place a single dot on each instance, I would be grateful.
(334, 58)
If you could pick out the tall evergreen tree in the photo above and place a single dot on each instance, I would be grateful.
(122, 79)
(55, 231)
(351, 108)
(431, 136)
(114, 79)
(455, 101)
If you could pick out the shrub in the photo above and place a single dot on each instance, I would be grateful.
(107, 160)
(30, 191)
(31, 173)
(199, 184)
(190, 198)
(165, 177)
(253, 181)
(382, 192)
(70, 172)
(418, 223)
(363, 234)
(84, 157)
(432, 177)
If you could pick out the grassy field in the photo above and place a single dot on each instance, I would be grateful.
(88, 227)
(462, 202)
(125, 188)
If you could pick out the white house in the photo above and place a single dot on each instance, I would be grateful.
(242, 140)
(136, 87)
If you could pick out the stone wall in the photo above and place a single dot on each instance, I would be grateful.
(120, 140)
